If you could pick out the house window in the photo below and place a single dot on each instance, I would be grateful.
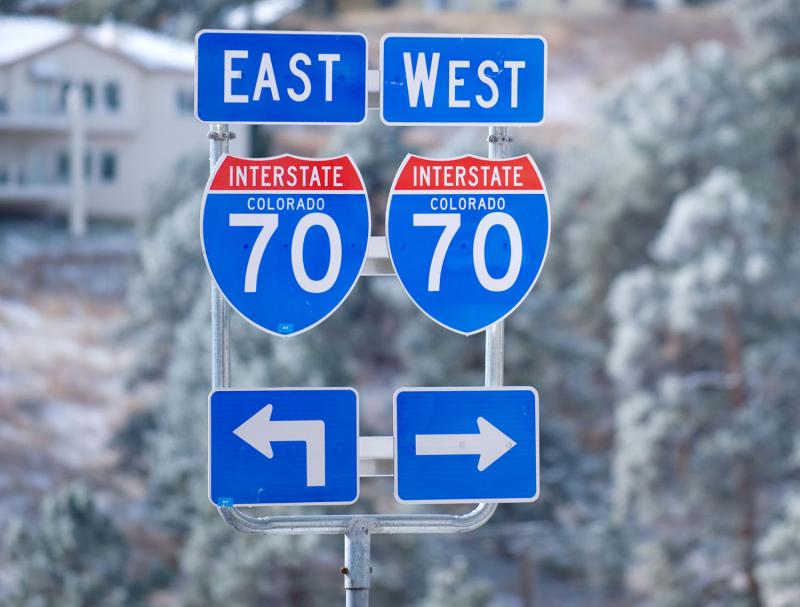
(62, 102)
(62, 167)
(185, 101)
(111, 93)
(108, 166)
(88, 95)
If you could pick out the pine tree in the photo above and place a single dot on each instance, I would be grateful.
(170, 300)
(220, 566)
(72, 556)
(772, 31)
(705, 418)
(454, 586)
(662, 132)
(779, 567)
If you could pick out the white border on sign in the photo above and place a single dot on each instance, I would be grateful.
(283, 122)
(480, 123)
(363, 259)
(279, 504)
(517, 500)
(546, 247)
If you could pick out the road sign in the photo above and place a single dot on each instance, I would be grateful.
(457, 445)
(285, 237)
(283, 446)
(468, 236)
(281, 77)
(436, 79)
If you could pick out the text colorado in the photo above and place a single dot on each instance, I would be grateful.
(285, 203)
(468, 203)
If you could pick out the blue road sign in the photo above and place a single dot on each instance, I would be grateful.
(283, 446)
(285, 237)
(456, 445)
(468, 236)
(436, 79)
(281, 77)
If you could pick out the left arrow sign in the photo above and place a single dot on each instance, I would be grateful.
(281, 446)
(260, 432)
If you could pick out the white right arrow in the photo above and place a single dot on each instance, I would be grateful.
(260, 431)
(490, 443)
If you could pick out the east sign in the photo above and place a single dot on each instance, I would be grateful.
(281, 77)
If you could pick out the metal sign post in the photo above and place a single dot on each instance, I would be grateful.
(356, 529)
(219, 139)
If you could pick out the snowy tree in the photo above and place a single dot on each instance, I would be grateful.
(455, 586)
(174, 16)
(702, 343)
(772, 32)
(171, 326)
(171, 278)
(223, 567)
(662, 132)
(210, 567)
(779, 567)
(72, 556)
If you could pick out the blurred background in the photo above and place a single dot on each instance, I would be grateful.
(663, 335)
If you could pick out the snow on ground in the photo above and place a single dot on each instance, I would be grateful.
(63, 365)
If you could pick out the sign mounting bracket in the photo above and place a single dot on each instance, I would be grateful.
(355, 528)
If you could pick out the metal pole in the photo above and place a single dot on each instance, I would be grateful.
(219, 136)
(77, 158)
(495, 351)
(495, 334)
(357, 567)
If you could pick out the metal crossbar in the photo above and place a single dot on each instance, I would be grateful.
(356, 528)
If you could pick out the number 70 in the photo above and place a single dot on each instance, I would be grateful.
(268, 222)
(451, 222)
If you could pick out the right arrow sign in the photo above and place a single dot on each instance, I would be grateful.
(490, 444)
(457, 445)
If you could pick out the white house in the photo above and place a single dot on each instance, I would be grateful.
(118, 96)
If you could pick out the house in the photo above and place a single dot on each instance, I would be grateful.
(117, 97)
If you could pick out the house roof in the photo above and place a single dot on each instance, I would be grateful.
(151, 50)
(23, 37)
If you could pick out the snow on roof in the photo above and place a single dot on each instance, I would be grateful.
(149, 49)
(24, 36)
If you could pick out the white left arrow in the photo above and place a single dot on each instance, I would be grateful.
(490, 444)
(260, 432)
